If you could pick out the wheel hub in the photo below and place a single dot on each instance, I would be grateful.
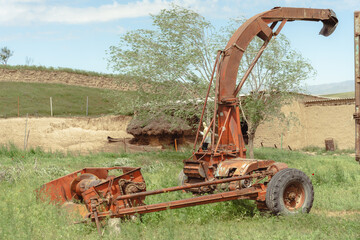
(294, 196)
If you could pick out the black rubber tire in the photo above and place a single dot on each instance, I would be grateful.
(182, 178)
(285, 179)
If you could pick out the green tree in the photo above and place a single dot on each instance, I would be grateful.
(179, 48)
(172, 64)
(272, 83)
(5, 54)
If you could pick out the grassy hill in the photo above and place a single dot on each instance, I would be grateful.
(341, 95)
(67, 100)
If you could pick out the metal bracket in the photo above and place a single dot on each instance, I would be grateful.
(356, 116)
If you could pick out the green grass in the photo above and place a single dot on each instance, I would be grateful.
(322, 151)
(336, 180)
(67, 100)
(341, 95)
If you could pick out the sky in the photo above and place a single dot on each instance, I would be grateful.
(77, 33)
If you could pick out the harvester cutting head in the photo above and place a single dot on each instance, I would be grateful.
(96, 189)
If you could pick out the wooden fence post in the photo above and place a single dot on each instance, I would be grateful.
(87, 105)
(27, 115)
(51, 107)
(27, 139)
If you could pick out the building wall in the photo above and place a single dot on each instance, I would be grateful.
(311, 126)
(331, 122)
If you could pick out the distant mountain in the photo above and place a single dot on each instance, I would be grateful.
(330, 88)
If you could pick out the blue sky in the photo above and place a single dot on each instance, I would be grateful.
(76, 33)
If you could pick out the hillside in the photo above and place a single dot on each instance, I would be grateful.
(331, 88)
(341, 95)
(33, 86)
(34, 99)
(66, 76)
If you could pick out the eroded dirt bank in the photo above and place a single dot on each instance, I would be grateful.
(78, 135)
(62, 77)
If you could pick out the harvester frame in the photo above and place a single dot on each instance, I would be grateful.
(223, 166)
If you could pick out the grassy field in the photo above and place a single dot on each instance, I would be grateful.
(67, 100)
(341, 95)
(335, 214)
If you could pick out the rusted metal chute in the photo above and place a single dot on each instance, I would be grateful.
(223, 166)
(230, 143)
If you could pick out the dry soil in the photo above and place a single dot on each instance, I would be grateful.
(76, 135)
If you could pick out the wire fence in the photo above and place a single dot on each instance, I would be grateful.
(52, 106)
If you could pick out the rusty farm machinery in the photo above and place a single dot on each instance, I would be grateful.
(221, 172)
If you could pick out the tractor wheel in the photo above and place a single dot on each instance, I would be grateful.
(289, 192)
(182, 178)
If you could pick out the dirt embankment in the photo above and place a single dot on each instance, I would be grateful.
(81, 135)
(78, 135)
(62, 77)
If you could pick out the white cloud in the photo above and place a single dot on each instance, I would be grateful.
(233, 8)
(19, 12)
(25, 12)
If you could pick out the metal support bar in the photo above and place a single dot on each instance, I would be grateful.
(215, 99)
(245, 193)
(280, 27)
(252, 65)
(194, 185)
(206, 98)
(95, 214)
(222, 130)
(205, 134)
(258, 55)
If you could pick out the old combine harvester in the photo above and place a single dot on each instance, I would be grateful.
(223, 166)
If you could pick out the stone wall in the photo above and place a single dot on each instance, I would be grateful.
(312, 125)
